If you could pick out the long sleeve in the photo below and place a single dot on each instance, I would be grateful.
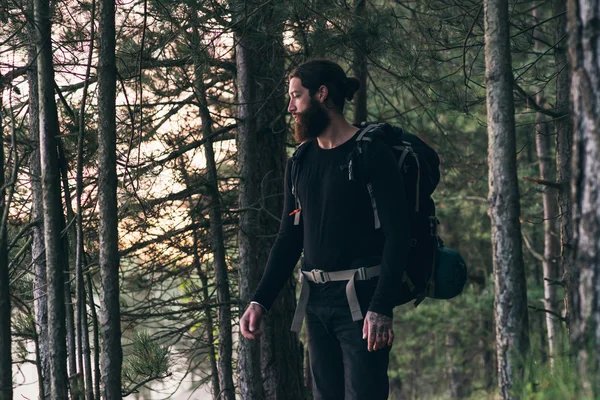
(285, 251)
(390, 197)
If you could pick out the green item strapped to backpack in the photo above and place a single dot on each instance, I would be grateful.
(433, 270)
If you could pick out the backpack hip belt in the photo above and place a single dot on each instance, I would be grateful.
(319, 276)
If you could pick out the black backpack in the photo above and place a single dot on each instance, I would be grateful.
(433, 270)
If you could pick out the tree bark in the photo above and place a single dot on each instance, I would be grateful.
(111, 357)
(509, 271)
(261, 158)
(249, 372)
(96, 336)
(52, 208)
(551, 243)
(359, 64)
(550, 265)
(6, 391)
(584, 56)
(83, 339)
(74, 377)
(212, 354)
(225, 366)
(38, 256)
(564, 142)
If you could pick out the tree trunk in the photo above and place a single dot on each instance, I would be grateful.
(96, 335)
(261, 157)
(83, 339)
(584, 55)
(110, 319)
(359, 64)
(564, 143)
(38, 257)
(550, 265)
(218, 245)
(250, 379)
(52, 208)
(212, 355)
(509, 270)
(551, 243)
(74, 377)
(5, 320)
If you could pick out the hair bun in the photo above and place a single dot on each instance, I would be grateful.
(352, 86)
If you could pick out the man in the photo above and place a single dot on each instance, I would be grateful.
(331, 218)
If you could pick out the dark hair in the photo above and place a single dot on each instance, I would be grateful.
(315, 73)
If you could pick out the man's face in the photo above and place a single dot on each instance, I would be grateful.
(309, 114)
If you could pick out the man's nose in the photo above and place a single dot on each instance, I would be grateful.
(291, 107)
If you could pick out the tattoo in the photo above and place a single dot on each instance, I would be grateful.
(379, 326)
(379, 321)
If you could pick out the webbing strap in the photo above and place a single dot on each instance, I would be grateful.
(298, 211)
(301, 307)
(353, 299)
(408, 281)
(433, 222)
(418, 181)
(368, 129)
(318, 276)
(374, 206)
(405, 152)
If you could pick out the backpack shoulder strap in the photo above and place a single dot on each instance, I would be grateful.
(294, 174)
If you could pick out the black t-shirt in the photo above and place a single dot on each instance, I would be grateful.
(337, 228)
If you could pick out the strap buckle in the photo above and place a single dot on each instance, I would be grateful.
(361, 274)
(319, 276)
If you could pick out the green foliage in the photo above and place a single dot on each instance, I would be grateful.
(545, 383)
(444, 340)
(144, 360)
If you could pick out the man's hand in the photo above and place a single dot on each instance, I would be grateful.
(250, 322)
(378, 330)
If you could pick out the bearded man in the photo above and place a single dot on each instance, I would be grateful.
(350, 270)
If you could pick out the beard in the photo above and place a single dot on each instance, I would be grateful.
(311, 123)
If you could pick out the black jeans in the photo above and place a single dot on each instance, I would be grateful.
(342, 367)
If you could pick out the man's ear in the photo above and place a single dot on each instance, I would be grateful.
(322, 94)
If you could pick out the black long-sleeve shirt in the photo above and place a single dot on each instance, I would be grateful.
(337, 228)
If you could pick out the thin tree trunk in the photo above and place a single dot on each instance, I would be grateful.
(38, 256)
(564, 143)
(83, 340)
(584, 55)
(539, 318)
(217, 244)
(212, 354)
(250, 379)
(551, 243)
(457, 379)
(55, 258)
(261, 158)
(96, 333)
(504, 209)
(110, 314)
(551, 240)
(308, 383)
(359, 64)
(487, 355)
(5, 320)
(74, 374)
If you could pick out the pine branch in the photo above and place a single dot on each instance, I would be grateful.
(538, 309)
(554, 185)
